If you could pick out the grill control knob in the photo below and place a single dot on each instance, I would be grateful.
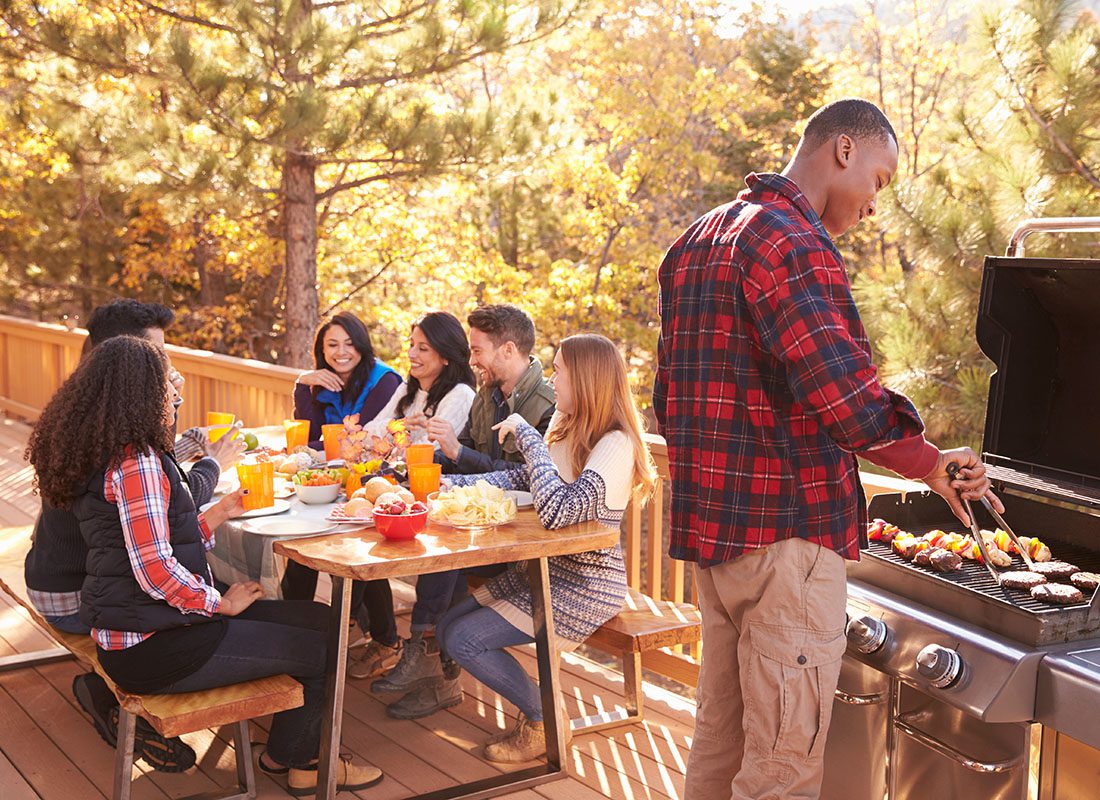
(866, 634)
(939, 666)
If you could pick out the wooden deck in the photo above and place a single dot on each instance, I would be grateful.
(49, 750)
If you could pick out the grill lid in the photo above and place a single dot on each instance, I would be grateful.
(1039, 322)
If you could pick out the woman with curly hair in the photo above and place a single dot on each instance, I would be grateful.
(102, 448)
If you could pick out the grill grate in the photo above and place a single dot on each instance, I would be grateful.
(975, 577)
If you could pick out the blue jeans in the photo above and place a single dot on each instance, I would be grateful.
(69, 623)
(274, 637)
(475, 637)
(436, 592)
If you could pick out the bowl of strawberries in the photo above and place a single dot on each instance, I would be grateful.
(397, 519)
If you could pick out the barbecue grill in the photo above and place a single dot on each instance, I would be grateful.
(968, 686)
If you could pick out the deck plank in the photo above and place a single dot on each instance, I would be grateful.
(15, 788)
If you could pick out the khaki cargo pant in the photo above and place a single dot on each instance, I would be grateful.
(773, 636)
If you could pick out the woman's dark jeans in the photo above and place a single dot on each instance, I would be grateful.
(371, 601)
(274, 637)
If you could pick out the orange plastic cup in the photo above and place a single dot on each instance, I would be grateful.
(297, 433)
(331, 434)
(419, 454)
(259, 479)
(424, 479)
(354, 484)
(214, 418)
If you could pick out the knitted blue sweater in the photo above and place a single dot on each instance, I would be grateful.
(586, 589)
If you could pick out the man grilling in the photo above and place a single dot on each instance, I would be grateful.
(766, 392)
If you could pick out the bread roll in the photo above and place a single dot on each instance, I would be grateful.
(376, 487)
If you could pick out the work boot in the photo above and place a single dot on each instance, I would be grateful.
(428, 699)
(349, 778)
(375, 659)
(418, 666)
(526, 742)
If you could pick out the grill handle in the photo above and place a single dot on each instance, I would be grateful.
(903, 724)
(860, 699)
(1049, 225)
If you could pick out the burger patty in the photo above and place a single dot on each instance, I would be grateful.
(1058, 594)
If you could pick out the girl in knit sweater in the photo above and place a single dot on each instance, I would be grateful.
(591, 461)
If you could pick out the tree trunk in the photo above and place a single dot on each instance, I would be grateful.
(300, 193)
(211, 281)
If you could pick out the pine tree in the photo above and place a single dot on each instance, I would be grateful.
(294, 100)
(1022, 141)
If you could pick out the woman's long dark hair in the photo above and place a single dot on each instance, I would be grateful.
(444, 333)
(360, 340)
(113, 400)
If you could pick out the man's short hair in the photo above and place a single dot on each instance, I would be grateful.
(858, 118)
(502, 323)
(127, 317)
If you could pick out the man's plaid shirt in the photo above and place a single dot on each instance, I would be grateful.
(765, 387)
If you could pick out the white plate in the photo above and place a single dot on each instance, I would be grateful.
(523, 499)
(224, 487)
(287, 527)
(279, 507)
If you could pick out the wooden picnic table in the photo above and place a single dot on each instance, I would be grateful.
(366, 555)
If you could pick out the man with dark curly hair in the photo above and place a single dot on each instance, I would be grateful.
(55, 566)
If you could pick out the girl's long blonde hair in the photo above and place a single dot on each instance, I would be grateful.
(601, 403)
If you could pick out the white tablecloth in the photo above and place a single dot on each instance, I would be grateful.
(242, 556)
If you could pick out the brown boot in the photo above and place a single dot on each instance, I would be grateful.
(526, 742)
(349, 778)
(563, 720)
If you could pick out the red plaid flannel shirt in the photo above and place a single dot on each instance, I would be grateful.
(765, 387)
(140, 489)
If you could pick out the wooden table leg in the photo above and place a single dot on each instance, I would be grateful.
(546, 656)
(335, 675)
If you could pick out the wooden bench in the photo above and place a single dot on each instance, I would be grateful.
(169, 714)
(643, 625)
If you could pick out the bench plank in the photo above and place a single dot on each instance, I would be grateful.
(169, 714)
(648, 624)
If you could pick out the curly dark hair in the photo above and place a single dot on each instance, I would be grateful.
(126, 317)
(113, 400)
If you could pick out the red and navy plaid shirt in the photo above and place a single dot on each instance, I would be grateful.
(765, 387)
(140, 489)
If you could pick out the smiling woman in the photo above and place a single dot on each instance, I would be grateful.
(346, 379)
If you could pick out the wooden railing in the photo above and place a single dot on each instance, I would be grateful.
(36, 357)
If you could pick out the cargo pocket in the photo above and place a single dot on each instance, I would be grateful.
(791, 678)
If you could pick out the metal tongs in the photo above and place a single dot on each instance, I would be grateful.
(953, 472)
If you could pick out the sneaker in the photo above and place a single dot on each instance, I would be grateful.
(98, 701)
(419, 665)
(426, 700)
(526, 742)
(375, 659)
(159, 752)
(349, 778)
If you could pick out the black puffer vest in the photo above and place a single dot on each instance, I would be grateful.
(111, 597)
